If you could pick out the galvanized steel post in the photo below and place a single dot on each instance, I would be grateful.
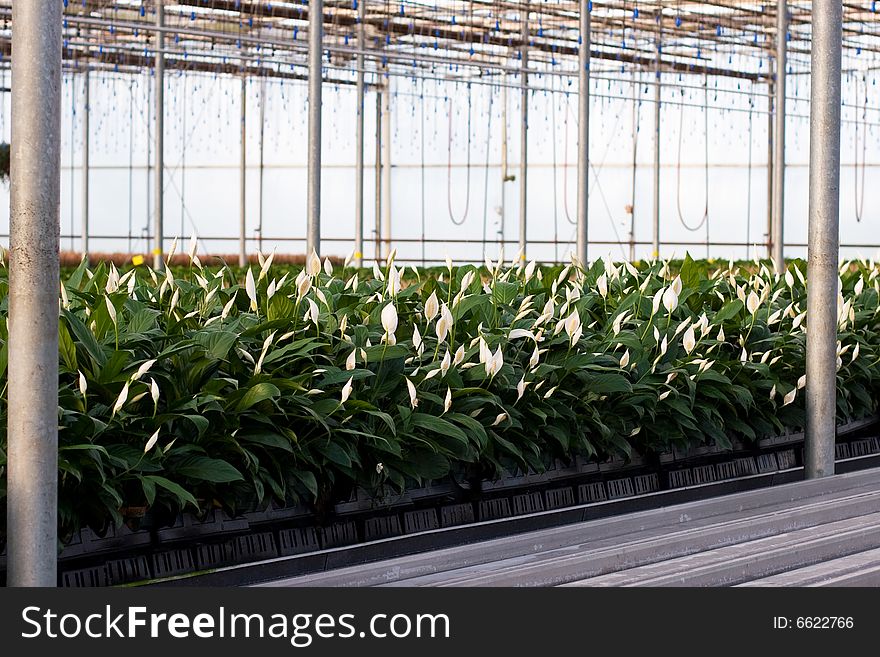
(159, 218)
(583, 185)
(779, 141)
(85, 164)
(316, 50)
(242, 182)
(823, 239)
(359, 147)
(524, 137)
(32, 429)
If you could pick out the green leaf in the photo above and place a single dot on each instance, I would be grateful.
(66, 348)
(438, 425)
(256, 394)
(216, 471)
(334, 453)
(182, 495)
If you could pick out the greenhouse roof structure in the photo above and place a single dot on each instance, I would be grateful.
(449, 38)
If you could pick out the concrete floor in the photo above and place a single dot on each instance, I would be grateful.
(810, 533)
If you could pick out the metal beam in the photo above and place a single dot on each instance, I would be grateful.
(824, 236)
(316, 51)
(85, 164)
(359, 147)
(583, 184)
(524, 137)
(32, 429)
(242, 182)
(159, 217)
(779, 141)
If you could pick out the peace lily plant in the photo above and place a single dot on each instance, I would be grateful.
(210, 388)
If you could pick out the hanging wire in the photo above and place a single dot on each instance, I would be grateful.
(749, 174)
(555, 186)
(860, 191)
(486, 178)
(568, 217)
(467, 202)
(704, 219)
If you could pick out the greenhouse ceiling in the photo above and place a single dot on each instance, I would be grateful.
(450, 39)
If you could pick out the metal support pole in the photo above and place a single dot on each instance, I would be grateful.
(823, 239)
(262, 167)
(242, 182)
(583, 184)
(655, 246)
(524, 139)
(377, 218)
(359, 148)
(769, 231)
(779, 143)
(159, 221)
(35, 227)
(85, 164)
(386, 169)
(505, 175)
(316, 51)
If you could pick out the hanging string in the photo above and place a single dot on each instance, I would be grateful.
(749, 173)
(555, 187)
(637, 104)
(422, 137)
(459, 222)
(705, 217)
(568, 218)
(860, 193)
(486, 178)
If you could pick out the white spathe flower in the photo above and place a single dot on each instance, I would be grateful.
(413, 400)
(83, 385)
(572, 323)
(447, 403)
(445, 363)
(624, 360)
(389, 319)
(499, 419)
(689, 341)
(773, 392)
(855, 352)
(442, 329)
(313, 264)
(676, 286)
(346, 391)
(152, 441)
(494, 364)
(111, 310)
(536, 355)
(270, 290)
(670, 299)
(154, 391)
(753, 302)
(446, 314)
(313, 312)
(656, 301)
(350, 362)
(530, 270)
(744, 356)
(228, 307)
(328, 267)
(663, 395)
(789, 398)
(121, 399)
(521, 388)
(393, 281)
(432, 307)
(143, 369)
(802, 382)
(251, 288)
(515, 334)
(602, 285)
(416, 338)
(859, 286)
(303, 284)
(789, 279)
